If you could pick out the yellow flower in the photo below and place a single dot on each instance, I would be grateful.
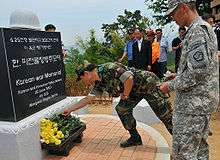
(43, 120)
(59, 132)
(57, 142)
(55, 129)
(55, 125)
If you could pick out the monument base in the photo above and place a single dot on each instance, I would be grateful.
(21, 140)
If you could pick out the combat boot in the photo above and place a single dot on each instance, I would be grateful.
(132, 141)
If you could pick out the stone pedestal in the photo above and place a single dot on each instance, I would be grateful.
(142, 112)
(21, 140)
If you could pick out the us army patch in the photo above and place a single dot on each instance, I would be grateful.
(198, 56)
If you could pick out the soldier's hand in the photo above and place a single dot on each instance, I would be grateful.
(172, 76)
(124, 97)
(67, 112)
(164, 87)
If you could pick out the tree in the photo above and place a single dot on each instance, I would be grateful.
(94, 51)
(159, 7)
(73, 60)
(125, 22)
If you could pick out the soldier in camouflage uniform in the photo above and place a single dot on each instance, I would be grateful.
(133, 85)
(196, 83)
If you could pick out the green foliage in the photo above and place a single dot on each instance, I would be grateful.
(124, 23)
(73, 60)
(98, 52)
(116, 47)
(159, 7)
(66, 124)
(171, 67)
(93, 50)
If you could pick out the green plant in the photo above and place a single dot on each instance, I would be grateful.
(73, 60)
(93, 50)
(66, 124)
(171, 67)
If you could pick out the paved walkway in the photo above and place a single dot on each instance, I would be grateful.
(101, 142)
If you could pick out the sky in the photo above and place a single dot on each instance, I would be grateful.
(74, 17)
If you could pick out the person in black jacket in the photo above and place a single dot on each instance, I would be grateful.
(177, 46)
(142, 52)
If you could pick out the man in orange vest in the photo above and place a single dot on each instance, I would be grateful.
(155, 53)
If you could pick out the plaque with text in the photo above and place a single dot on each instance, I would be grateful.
(32, 72)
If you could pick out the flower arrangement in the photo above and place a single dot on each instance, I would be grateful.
(56, 129)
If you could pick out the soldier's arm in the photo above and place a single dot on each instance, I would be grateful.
(96, 91)
(128, 86)
(197, 64)
(127, 79)
(82, 103)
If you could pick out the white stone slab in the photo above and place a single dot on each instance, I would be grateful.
(142, 112)
(21, 140)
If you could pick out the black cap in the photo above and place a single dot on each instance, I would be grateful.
(80, 71)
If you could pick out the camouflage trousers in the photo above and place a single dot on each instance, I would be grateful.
(190, 133)
(157, 101)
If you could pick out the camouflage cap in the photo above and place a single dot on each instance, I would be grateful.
(80, 71)
(172, 4)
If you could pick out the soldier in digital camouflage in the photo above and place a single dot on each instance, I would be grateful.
(132, 85)
(196, 83)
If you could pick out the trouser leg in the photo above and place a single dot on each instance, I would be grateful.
(163, 67)
(190, 133)
(125, 112)
(161, 107)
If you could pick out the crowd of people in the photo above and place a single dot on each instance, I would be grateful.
(148, 53)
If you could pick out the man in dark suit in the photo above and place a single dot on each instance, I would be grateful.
(142, 52)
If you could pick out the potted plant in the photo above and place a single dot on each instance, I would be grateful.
(60, 133)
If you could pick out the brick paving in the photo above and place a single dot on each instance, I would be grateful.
(101, 142)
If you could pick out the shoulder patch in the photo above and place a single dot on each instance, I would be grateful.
(198, 56)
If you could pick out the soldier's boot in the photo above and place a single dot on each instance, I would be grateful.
(131, 142)
(134, 140)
